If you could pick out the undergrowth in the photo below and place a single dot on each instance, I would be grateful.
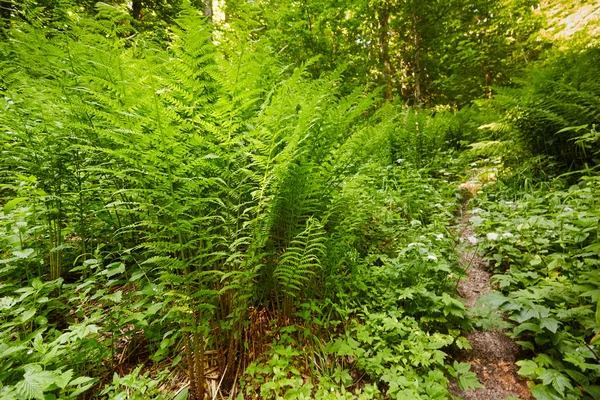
(543, 246)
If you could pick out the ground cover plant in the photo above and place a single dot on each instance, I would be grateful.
(543, 245)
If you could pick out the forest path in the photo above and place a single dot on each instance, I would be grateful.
(494, 354)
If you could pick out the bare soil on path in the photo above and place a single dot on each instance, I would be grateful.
(494, 354)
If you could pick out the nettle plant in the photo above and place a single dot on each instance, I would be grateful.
(543, 245)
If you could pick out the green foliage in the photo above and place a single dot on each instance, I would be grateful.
(543, 246)
(222, 199)
(559, 103)
(166, 194)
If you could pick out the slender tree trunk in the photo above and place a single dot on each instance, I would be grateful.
(208, 10)
(136, 9)
(417, 60)
(487, 80)
(384, 56)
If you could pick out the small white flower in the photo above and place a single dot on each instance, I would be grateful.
(439, 236)
(438, 205)
(492, 236)
(476, 210)
(29, 351)
(400, 160)
(432, 257)
(472, 240)
(567, 209)
(507, 235)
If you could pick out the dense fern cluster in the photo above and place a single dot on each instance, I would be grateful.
(197, 183)
(558, 105)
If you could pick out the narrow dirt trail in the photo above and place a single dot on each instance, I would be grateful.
(494, 354)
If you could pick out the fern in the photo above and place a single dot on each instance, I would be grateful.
(565, 94)
(299, 262)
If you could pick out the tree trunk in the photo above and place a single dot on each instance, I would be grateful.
(136, 9)
(417, 60)
(384, 56)
(208, 10)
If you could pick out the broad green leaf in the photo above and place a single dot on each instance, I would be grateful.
(27, 315)
(549, 323)
(11, 204)
(114, 269)
(82, 389)
(529, 368)
(23, 254)
(536, 260)
(558, 381)
(469, 380)
(541, 392)
(136, 276)
(578, 377)
(35, 382)
(593, 390)
(63, 379)
(527, 326)
(6, 350)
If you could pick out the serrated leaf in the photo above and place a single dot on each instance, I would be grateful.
(558, 381)
(469, 380)
(154, 308)
(63, 379)
(116, 296)
(493, 299)
(82, 389)
(549, 323)
(541, 392)
(35, 382)
(529, 368)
